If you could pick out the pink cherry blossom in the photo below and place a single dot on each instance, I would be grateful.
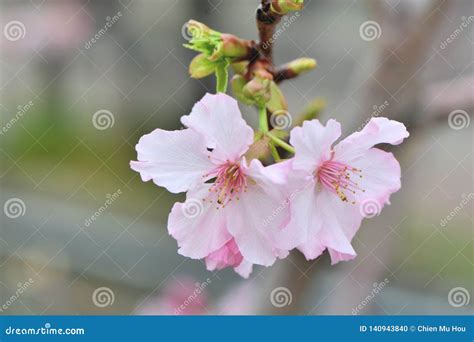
(333, 188)
(233, 214)
(181, 295)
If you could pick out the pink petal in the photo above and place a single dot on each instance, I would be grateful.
(271, 179)
(244, 269)
(380, 177)
(241, 299)
(176, 160)
(279, 172)
(198, 227)
(329, 222)
(377, 131)
(259, 218)
(337, 256)
(174, 298)
(304, 216)
(313, 143)
(218, 118)
(227, 255)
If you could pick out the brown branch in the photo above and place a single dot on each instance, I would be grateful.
(266, 23)
(283, 73)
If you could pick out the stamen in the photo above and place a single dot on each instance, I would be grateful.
(339, 178)
(229, 181)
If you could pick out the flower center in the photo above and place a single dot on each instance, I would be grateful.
(229, 182)
(339, 178)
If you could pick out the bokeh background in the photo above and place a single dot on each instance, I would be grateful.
(58, 168)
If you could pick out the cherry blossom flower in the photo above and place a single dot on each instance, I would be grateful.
(181, 295)
(333, 188)
(186, 295)
(233, 214)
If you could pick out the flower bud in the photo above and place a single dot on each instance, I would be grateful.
(233, 46)
(198, 30)
(201, 66)
(258, 88)
(301, 65)
(213, 44)
(240, 67)
(238, 83)
(284, 6)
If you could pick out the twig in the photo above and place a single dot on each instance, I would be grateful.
(266, 23)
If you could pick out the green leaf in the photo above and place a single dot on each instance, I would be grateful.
(201, 66)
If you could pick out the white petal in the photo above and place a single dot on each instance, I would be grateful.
(377, 131)
(218, 118)
(176, 160)
(197, 225)
(313, 142)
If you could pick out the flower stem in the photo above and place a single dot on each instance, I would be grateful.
(274, 152)
(281, 143)
(221, 78)
(262, 118)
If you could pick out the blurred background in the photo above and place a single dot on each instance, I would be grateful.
(81, 81)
